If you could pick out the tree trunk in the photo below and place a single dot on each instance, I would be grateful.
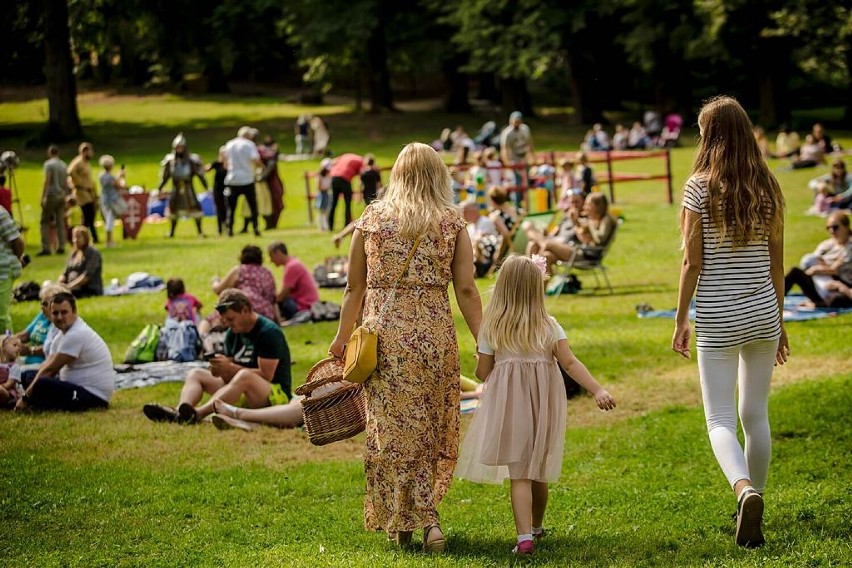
(587, 106)
(456, 86)
(215, 75)
(381, 96)
(772, 64)
(487, 90)
(847, 113)
(516, 96)
(63, 119)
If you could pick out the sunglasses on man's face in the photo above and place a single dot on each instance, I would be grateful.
(832, 227)
(224, 306)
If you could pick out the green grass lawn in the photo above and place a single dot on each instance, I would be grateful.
(640, 485)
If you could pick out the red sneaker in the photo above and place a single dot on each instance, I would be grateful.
(525, 548)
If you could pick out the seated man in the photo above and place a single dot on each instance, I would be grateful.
(78, 372)
(299, 291)
(256, 365)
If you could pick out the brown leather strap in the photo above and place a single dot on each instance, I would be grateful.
(408, 260)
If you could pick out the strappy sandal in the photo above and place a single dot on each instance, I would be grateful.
(437, 545)
(400, 538)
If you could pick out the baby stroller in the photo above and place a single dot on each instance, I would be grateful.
(669, 138)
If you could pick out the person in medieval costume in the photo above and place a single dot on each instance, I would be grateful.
(181, 167)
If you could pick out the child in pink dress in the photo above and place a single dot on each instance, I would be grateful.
(518, 431)
(180, 305)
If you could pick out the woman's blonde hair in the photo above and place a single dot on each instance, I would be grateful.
(515, 319)
(419, 190)
(745, 199)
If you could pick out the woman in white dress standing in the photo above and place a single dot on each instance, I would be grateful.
(733, 233)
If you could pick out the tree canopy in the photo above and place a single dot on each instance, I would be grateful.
(772, 54)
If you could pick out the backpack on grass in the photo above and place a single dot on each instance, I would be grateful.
(143, 349)
(179, 341)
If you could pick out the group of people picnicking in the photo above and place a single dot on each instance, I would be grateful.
(406, 248)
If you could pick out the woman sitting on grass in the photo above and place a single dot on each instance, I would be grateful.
(252, 279)
(82, 273)
(593, 229)
(819, 275)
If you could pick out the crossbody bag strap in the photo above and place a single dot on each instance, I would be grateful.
(408, 260)
(392, 295)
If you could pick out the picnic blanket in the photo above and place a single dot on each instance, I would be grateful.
(147, 374)
(792, 311)
(137, 283)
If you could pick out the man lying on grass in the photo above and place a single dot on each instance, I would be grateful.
(254, 370)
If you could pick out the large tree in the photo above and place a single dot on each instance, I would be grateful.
(63, 118)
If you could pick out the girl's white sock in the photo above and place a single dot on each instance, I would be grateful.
(537, 530)
(523, 537)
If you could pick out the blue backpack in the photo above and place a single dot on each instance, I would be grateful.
(179, 341)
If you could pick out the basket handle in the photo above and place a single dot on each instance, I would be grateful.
(307, 388)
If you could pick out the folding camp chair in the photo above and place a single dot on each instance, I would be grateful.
(507, 245)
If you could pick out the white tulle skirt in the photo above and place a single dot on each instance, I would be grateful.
(518, 430)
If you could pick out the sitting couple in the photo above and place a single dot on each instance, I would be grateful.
(583, 232)
(254, 371)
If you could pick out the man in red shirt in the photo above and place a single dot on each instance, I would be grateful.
(299, 290)
(342, 171)
(5, 195)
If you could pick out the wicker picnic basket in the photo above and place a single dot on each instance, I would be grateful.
(333, 416)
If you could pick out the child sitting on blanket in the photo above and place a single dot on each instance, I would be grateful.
(10, 373)
(180, 305)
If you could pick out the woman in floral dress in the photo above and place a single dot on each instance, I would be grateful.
(413, 396)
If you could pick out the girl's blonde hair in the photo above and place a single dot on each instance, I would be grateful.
(419, 190)
(745, 199)
(515, 319)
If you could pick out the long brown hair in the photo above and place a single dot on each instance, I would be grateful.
(745, 199)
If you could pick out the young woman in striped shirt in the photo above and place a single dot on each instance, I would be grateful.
(733, 233)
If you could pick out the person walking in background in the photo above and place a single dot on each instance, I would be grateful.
(53, 195)
(371, 179)
(302, 132)
(11, 251)
(219, 173)
(242, 159)
(320, 135)
(112, 203)
(82, 186)
(342, 171)
(181, 166)
(269, 175)
(516, 150)
(518, 431)
(406, 248)
(733, 238)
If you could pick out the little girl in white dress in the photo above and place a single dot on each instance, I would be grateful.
(518, 431)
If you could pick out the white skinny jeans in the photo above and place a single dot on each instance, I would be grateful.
(719, 370)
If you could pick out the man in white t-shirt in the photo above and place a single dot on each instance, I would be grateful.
(242, 160)
(78, 373)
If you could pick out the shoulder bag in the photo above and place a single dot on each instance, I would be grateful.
(361, 353)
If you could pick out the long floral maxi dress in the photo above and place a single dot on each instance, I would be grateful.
(413, 397)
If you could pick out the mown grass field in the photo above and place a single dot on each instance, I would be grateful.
(640, 485)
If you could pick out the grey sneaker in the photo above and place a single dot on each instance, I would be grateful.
(749, 520)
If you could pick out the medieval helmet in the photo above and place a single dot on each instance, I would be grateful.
(180, 140)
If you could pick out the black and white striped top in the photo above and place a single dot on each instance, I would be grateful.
(735, 302)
